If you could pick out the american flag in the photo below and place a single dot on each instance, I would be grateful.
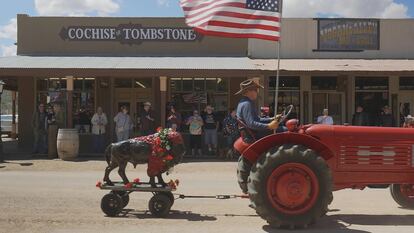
(234, 18)
(195, 98)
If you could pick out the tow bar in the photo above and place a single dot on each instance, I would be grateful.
(218, 197)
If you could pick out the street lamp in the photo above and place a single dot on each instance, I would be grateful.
(1, 139)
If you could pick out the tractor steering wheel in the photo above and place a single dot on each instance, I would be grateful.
(288, 110)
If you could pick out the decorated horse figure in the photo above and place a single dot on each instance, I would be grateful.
(162, 151)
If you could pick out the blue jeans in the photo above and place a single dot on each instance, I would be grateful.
(40, 142)
(98, 143)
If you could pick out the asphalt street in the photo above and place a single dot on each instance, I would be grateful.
(55, 196)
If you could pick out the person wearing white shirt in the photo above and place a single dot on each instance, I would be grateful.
(325, 119)
(99, 122)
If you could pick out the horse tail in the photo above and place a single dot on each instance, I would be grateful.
(108, 154)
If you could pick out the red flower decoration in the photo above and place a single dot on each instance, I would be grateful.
(129, 185)
(137, 181)
(99, 184)
(169, 157)
(159, 129)
(172, 185)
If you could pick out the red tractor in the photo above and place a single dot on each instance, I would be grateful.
(290, 176)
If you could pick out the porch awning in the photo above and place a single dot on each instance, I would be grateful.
(205, 63)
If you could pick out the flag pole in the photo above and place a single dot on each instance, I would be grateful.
(278, 61)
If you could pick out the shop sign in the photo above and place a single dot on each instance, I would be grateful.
(348, 34)
(128, 34)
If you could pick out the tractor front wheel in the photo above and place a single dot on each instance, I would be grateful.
(290, 187)
(403, 194)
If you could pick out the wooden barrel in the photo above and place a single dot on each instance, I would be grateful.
(68, 144)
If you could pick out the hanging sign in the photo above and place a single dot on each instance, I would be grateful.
(348, 34)
(128, 34)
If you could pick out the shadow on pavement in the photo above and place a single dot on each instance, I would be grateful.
(376, 220)
(19, 163)
(341, 222)
(174, 214)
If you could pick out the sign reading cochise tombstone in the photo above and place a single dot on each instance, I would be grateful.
(128, 34)
(348, 34)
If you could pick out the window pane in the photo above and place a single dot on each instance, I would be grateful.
(285, 83)
(123, 83)
(367, 83)
(42, 84)
(78, 84)
(222, 85)
(143, 83)
(407, 83)
(324, 83)
(211, 84)
(199, 84)
(56, 84)
(89, 85)
(187, 84)
(176, 84)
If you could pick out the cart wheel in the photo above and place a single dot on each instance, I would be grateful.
(160, 205)
(111, 204)
(124, 196)
(169, 195)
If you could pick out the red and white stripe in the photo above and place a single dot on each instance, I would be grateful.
(231, 18)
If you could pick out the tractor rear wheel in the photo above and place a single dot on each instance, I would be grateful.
(290, 187)
(403, 194)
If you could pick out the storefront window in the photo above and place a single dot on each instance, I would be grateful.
(289, 94)
(406, 83)
(83, 103)
(123, 83)
(52, 91)
(143, 83)
(325, 83)
(372, 94)
(189, 94)
(371, 83)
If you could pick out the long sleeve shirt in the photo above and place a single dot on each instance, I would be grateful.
(247, 112)
(325, 120)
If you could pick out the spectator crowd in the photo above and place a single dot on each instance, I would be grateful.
(208, 134)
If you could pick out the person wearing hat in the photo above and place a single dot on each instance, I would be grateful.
(147, 120)
(250, 124)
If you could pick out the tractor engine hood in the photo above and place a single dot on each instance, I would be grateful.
(359, 133)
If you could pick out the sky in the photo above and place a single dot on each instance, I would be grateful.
(170, 8)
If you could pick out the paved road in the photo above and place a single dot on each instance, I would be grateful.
(49, 198)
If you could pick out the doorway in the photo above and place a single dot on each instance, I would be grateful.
(333, 101)
(133, 93)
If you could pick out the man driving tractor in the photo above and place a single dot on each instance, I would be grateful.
(253, 127)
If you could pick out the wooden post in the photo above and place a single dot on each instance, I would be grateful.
(13, 132)
(69, 88)
(163, 92)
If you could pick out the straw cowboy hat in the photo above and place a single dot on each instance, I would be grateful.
(147, 104)
(248, 84)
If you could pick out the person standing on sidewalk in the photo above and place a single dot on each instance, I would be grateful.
(147, 120)
(211, 125)
(39, 125)
(123, 124)
(195, 123)
(325, 119)
(231, 132)
(99, 122)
